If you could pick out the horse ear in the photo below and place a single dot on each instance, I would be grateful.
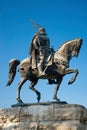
(79, 39)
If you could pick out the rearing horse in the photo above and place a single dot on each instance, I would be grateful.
(56, 70)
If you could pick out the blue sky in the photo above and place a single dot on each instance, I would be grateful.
(63, 20)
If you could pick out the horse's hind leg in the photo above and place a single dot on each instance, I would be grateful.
(23, 80)
(33, 83)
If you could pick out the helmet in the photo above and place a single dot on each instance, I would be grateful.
(42, 30)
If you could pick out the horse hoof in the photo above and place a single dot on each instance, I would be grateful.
(70, 82)
(38, 97)
(19, 100)
(57, 99)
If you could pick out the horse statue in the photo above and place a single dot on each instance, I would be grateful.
(56, 70)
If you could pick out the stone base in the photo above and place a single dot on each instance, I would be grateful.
(52, 116)
(38, 103)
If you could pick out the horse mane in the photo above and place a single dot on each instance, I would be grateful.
(67, 42)
(64, 44)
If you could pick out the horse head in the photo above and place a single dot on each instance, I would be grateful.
(68, 49)
(77, 47)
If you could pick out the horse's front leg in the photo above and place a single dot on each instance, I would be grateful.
(57, 88)
(23, 80)
(33, 83)
(69, 71)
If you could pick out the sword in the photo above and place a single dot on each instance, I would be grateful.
(34, 25)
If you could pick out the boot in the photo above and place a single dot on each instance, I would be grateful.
(51, 81)
(41, 73)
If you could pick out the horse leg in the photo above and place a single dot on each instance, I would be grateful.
(33, 83)
(23, 80)
(69, 71)
(57, 88)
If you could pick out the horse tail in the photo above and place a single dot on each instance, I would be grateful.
(12, 70)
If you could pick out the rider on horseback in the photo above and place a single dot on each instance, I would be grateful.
(40, 50)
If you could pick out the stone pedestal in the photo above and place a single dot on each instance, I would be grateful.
(51, 116)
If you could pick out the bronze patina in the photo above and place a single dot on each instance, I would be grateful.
(56, 67)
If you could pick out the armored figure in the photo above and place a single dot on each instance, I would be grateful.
(40, 50)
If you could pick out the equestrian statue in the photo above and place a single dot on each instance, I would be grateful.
(52, 66)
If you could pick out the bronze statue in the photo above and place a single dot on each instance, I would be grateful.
(39, 50)
(56, 68)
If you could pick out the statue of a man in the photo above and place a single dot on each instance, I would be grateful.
(40, 50)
